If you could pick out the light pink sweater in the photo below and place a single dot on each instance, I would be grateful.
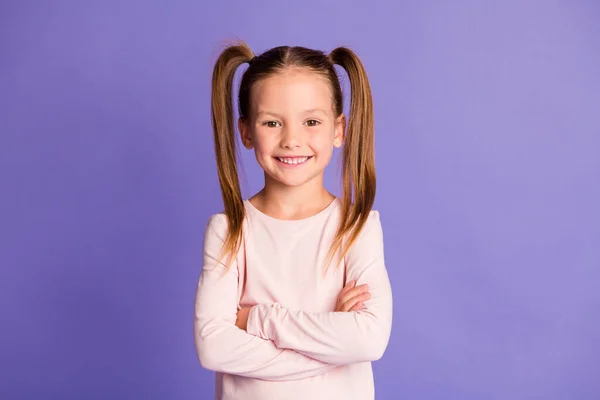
(296, 346)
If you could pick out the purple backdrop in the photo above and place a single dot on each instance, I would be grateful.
(488, 160)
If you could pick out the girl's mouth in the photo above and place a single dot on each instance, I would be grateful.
(293, 161)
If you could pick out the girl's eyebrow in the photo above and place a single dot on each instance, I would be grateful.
(311, 111)
(263, 112)
(315, 110)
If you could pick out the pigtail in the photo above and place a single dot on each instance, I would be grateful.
(225, 142)
(358, 154)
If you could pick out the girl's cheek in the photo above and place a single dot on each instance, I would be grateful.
(322, 140)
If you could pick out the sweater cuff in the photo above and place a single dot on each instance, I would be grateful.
(258, 323)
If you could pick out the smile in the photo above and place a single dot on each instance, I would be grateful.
(293, 160)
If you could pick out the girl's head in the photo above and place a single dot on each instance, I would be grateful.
(291, 113)
(290, 120)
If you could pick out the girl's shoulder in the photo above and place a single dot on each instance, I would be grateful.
(216, 225)
(372, 225)
(217, 222)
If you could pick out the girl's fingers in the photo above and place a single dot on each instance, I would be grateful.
(349, 286)
(348, 305)
(343, 294)
(344, 297)
(351, 295)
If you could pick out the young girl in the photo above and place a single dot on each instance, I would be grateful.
(283, 310)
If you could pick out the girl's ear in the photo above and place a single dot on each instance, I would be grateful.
(245, 134)
(340, 127)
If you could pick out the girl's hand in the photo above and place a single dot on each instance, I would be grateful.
(351, 297)
(242, 318)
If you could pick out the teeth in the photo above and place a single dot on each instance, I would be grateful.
(292, 160)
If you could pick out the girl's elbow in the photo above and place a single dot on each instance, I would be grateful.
(206, 357)
(375, 347)
(208, 354)
(209, 346)
(210, 360)
(376, 351)
(375, 340)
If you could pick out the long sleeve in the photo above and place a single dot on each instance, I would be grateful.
(338, 337)
(220, 344)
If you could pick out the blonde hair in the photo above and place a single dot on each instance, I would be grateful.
(358, 153)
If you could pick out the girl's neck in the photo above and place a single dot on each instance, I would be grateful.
(284, 202)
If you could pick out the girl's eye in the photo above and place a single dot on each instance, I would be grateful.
(312, 122)
(271, 124)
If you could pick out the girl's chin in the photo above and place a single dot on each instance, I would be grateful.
(289, 180)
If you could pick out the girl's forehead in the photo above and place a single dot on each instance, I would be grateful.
(307, 90)
(293, 77)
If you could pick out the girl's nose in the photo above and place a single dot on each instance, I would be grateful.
(290, 138)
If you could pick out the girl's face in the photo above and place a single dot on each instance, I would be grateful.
(292, 127)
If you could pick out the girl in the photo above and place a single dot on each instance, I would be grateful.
(282, 309)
